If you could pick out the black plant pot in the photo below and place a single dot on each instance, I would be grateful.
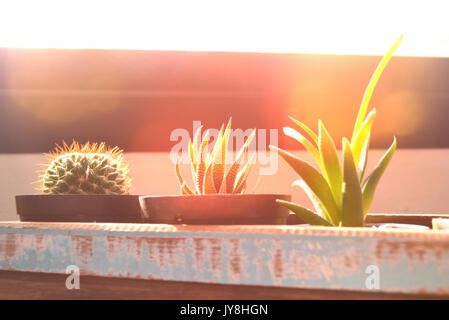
(217, 209)
(79, 208)
(389, 220)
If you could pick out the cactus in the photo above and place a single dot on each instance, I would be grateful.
(91, 168)
(209, 168)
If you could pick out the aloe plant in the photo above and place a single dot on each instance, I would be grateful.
(209, 171)
(341, 195)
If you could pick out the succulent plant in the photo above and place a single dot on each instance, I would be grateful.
(340, 194)
(209, 170)
(90, 168)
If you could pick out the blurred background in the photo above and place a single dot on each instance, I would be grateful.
(130, 72)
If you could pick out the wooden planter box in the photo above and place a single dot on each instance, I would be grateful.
(336, 262)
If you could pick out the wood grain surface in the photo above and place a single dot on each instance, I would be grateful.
(30, 285)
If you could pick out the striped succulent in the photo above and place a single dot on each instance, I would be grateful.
(210, 173)
(85, 169)
(341, 195)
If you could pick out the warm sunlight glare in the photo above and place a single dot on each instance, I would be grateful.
(340, 27)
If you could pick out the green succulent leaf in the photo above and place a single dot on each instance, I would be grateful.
(306, 129)
(352, 206)
(316, 182)
(360, 143)
(363, 159)
(243, 174)
(370, 184)
(219, 162)
(318, 205)
(372, 84)
(330, 164)
(292, 133)
(229, 183)
(193, 147)
(202, 165)
(208, 181)
(217, 165)
(305, 214)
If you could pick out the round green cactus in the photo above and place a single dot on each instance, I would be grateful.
(85, 169)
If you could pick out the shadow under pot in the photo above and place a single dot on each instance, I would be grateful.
(79, 208)
(218, 209)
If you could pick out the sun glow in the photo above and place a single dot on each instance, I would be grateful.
(335, 27)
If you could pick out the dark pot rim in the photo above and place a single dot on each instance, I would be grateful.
(378, 226)
(227, 195)
(394, 225)
(76, 195)
(79, 208)
(215, 209)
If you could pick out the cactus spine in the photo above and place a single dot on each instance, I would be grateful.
(91, 168)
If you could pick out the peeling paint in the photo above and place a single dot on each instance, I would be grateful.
(322, 258)
(83, 248)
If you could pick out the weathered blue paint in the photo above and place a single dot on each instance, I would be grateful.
(322, 258)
